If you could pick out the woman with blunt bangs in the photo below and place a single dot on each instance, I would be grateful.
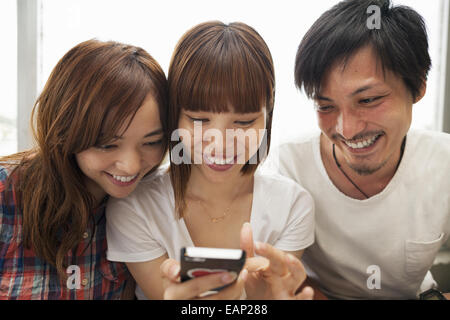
(99, 126)
(221, 98)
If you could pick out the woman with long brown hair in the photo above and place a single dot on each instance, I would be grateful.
(99, 126)
(221, 99)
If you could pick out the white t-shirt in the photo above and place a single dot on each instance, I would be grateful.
(392, 237)
(143, 226)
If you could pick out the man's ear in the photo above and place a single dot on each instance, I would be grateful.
(422, 91)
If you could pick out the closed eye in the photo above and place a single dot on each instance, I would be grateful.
(106, 147)
(324, 109)
(198, 119)
(154, 143)
(370, 100)
(245, 123)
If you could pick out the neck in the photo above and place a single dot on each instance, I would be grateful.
(206, 190)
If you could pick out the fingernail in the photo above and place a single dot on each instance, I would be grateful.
(291, 258)
(174, 271)
(228, 277)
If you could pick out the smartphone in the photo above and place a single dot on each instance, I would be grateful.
(200, 261)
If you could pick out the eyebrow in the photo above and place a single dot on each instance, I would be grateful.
(362, 89)
(319, 97)
(354, 93)
(154, 133)
(150, 134)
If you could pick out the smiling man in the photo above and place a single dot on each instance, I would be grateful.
(382, 191)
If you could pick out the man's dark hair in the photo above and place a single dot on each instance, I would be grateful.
(400, 43)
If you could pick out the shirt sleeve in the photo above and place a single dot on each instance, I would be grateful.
(298, 232)
(129, 235)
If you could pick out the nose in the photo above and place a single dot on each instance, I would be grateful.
(129, 162)
(216, 139)
(349, 123)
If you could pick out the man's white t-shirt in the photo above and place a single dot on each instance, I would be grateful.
(143, 226)
(382, 247)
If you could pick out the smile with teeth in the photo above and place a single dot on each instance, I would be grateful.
(364, 143)
(219, 160)
(124, 178)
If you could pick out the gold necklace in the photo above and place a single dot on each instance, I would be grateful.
(223, 216)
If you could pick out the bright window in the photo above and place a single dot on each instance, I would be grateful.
(8, 77)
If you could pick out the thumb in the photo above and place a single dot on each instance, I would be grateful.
(170, 269)
(247, 240)
(306, 294)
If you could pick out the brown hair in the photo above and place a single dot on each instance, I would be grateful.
(92, 90)
(216, 65)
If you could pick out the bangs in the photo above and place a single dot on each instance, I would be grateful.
(231, 72)
(122, 95)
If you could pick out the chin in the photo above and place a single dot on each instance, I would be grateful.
(121, 194)
(218, 176)
(366, 169)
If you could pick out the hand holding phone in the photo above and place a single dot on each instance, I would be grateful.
(200, 261)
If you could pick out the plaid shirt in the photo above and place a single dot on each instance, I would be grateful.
(25, 276)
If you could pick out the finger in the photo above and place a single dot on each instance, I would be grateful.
(297, 271)
(170, 269)
(276, 257)
(255, 264)
(193, 288)
(232, 292)
(306, 294)
(247, 240)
